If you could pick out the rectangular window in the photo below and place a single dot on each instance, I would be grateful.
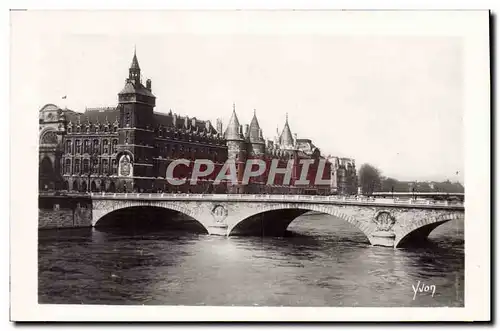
(85, 165)
(104, 166)
(96, 146)
(95, 166)
(78, 147)
(67, 168)
(105, 147)
(77, 166)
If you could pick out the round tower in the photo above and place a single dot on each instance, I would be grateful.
(256, 150)
(256, 139)
(236, 150)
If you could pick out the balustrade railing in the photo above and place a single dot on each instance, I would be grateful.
(281, 197)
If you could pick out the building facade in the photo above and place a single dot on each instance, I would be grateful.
(128, 148)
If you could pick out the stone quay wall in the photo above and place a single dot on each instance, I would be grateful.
(56, 212)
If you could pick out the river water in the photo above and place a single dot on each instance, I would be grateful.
(325, 262)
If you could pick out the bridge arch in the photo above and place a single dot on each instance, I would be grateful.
(274, 219)
(419, 230)
(103, 208)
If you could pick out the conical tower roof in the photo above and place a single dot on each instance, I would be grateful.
(286, 138)
(233, 127)
(254, 130)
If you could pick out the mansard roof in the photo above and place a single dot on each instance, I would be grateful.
(131, 88)
(93, 115)
(167, 120)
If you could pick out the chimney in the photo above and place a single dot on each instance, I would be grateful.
(247, 130)
(148, 84)
(219, 125)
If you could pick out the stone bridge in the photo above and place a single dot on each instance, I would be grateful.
(385, 222)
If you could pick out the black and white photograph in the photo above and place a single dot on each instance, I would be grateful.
(251, 159)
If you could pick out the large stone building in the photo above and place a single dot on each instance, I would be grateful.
(128, 148)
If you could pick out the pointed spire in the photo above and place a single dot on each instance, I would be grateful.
(233, 127)
(135, 63)
(254, 130)
(286, 138)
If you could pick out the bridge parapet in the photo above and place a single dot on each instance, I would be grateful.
(371, 201)
(384, 221)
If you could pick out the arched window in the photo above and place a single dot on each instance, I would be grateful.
(68, 146)
(114, 166)
(67, 166)
(69, 130)
(114, 145)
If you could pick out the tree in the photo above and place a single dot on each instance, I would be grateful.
(369, 178)
(389, 184)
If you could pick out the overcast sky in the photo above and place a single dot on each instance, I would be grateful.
(392, 101)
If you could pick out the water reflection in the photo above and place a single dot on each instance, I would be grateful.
(322, 261)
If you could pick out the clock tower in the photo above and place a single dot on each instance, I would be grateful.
(135, 133)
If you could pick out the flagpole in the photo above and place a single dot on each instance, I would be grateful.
(65, 97)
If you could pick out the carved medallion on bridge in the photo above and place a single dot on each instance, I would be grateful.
(384, 220)
(219, 212)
